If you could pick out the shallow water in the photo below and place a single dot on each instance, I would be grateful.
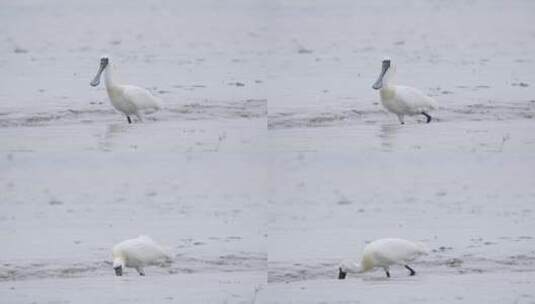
(433, 288)
(462, 206)
(272, 158)
(63, 211)
(229, 287)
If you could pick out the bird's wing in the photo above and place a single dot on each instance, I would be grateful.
(146, 250)
(396, 251)
(142, 98)
(414, 100)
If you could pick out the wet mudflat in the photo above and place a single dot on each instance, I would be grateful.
(272, 158)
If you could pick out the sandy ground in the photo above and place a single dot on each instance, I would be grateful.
(272, 158)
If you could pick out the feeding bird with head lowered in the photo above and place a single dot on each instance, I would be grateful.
(384, 253)
(138, 253)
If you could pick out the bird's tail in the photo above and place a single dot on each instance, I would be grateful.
(433, 104)
(157, 104)
(422, 248)
(167, 253)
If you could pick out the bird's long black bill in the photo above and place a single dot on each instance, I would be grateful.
(96, 80)
(379, 83)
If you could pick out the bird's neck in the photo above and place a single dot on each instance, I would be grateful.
(109, 76)
(387, 91)
(388, 80)
(111, 85)
(366, 263)
(352, 267)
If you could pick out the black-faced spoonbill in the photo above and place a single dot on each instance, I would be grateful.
(402, 100)
(137, 253)
(130, 100)
(384, 253)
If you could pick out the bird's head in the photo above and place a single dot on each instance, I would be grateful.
(387, 70)
(347, 266)
(104, 62)
(118, 266)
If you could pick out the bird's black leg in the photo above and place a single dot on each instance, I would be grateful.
(387, 273)
(427, 116)
(129, 120)
(411, 270)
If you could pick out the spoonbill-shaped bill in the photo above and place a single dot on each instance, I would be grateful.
(127, 99)
(138, 253)
(384, 253)
(402, 100)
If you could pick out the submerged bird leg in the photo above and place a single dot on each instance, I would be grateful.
(400, 117)
(341, 274)
(387, 272)
(411, 270)
(140, 270)
(128, 118)
(139, 117)
(427, 116)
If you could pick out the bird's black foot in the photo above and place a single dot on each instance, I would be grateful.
(129, 119)
(411, 270)
(341, 274)
(427, 116)
(387, 273)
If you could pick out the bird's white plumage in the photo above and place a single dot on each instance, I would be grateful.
(402, 100)
(127, 99)
(144, 100)
(407, 101)
(384, 253)
(139, 252)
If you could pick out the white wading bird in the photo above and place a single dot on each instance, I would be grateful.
(402, 100)
(384, 253)
(137, 253)
(130, 100)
